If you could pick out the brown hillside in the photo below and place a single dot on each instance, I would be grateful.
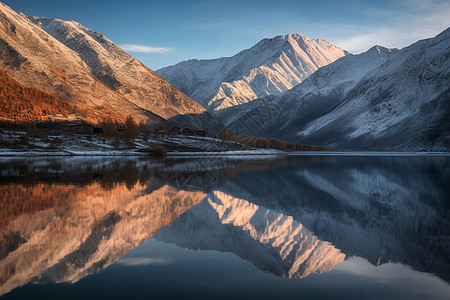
(20, 103)
(79, 65)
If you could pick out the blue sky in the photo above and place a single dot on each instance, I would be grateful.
(164, 32)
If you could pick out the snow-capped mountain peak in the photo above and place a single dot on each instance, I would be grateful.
(382, 99)
(271, 67)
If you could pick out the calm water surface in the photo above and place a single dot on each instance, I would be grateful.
(310, 227)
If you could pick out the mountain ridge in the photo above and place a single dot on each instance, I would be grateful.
(80, 65)
(379, 100)
(271, 66)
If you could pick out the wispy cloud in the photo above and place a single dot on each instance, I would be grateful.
(432, 20)
(142, 261)
(144, 49)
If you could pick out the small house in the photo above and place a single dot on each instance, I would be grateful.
(79, 128)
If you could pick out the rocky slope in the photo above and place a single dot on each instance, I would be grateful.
(65, 59)
(270, 67)
(382, 99)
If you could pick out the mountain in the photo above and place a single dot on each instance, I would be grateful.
(270, 67)
(65, 59)
(383, 99)
(319, 94)
(272, 241)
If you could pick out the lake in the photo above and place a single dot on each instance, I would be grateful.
(253, 227)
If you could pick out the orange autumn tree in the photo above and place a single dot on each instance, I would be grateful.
(132, 129)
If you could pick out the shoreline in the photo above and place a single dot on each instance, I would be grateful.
(141, 154)
(369, 153)
(19, 144)
(251, 152)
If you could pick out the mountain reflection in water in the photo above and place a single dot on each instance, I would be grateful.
(64, 218)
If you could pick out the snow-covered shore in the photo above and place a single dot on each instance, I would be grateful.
(19, 144)
(13, 143)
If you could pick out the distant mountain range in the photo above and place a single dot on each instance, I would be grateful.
(288, 87)
(270, 67)
(383, 99)
(65, 59)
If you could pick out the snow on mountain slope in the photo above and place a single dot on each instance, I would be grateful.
(378, 100)
(64, 58)
(270, 67)
(318, 94)
(272, 241)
